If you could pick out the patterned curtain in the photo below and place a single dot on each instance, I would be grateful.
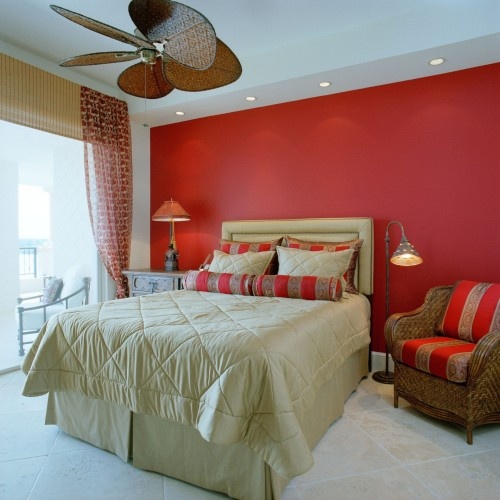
(108, 176)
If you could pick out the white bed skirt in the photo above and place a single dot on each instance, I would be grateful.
(178, 451)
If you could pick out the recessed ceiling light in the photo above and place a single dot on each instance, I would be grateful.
(437, 61)
(179, 113)
(250, 98)
(324, 84)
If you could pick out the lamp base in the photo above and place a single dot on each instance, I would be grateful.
(171, 256)
(383, 377)
(171, 265)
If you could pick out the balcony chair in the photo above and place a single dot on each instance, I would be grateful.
(447, 354)
(59, 294)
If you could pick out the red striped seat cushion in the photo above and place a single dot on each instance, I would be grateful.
(444, 357)
(473, 310)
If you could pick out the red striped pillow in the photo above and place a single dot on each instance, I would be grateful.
(205, 281)
(332, 246)
(236, 247)
(473, 310)
(298, 287)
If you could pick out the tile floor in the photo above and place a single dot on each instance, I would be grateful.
(373, 451)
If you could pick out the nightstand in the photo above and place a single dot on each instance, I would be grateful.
(147, 281)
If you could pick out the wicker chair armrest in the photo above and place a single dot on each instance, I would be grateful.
(485, 361)
(421, 322)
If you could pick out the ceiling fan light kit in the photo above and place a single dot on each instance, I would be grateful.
(177, 47)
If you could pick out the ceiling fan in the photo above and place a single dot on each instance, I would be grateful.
(177, 47)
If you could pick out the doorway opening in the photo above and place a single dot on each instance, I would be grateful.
(44, 220)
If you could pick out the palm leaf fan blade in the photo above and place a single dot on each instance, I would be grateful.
(147, 15)
(187, 35)
(99, 58)
(226, 69)
(145, 81)
(195, 47)
(102, 28)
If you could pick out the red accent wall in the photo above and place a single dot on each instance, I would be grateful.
(425, 152)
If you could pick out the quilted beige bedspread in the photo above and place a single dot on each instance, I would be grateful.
(239, 369)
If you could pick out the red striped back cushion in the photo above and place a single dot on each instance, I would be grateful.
(298, 287)
(473, 310)
(205, 281)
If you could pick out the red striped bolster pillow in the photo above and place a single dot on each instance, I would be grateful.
(205, 281)
(472, 311)
(298, 287)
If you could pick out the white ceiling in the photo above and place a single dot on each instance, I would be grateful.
(285, 46)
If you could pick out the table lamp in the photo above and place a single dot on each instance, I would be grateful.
(171, 211)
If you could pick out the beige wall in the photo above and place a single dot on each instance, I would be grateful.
(141, 214)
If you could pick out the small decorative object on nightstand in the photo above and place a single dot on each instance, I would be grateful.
(171, 255)
(405, 255)
(147, 281)
(171, 211)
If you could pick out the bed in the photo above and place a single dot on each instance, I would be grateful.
(226, 391)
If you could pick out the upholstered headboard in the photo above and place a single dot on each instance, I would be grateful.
(338, 229)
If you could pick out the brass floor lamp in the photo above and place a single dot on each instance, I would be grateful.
(404, 255)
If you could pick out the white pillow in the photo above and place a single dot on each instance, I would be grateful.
(248, 262)
(296, 262)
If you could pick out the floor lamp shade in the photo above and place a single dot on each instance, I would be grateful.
(404, 255)
(171, 212)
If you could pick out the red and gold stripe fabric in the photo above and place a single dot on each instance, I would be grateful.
(205, 281)
(443, 357)
(473, 311)
(298, 287)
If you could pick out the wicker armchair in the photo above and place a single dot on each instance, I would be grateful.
(475, 401)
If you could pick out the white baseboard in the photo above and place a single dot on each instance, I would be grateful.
(378, 362)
